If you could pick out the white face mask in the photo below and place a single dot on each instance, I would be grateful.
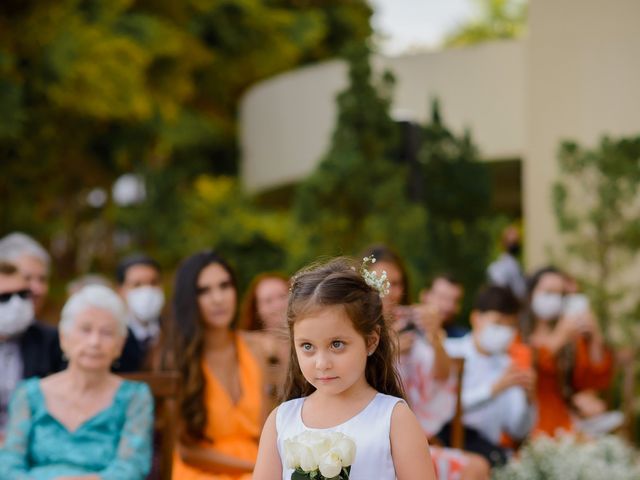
(146, 303)
(495, 338)
(547, 306)
(15, 316)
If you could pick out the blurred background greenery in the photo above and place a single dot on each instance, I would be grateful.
(119, 134)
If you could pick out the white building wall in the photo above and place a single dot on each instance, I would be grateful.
(287, 121)
(583, 70)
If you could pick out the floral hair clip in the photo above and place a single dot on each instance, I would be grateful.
(379, 283)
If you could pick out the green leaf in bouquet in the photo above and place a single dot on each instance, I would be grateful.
(299, 474)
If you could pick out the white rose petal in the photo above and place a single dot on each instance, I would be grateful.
(330, 464)
(291, 454)
(308, 463)
(346, 448)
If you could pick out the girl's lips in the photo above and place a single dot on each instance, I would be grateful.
(326, 379)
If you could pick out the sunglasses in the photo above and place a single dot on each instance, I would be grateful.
(6, 296)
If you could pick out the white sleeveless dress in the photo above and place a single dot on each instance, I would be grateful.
(369, 429)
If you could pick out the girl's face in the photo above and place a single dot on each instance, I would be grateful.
(331, 353)
(216, 296)
(396, 289)
(271, 302)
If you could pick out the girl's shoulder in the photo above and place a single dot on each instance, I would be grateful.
(288, 412)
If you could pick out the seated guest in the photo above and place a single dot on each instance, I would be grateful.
(84, 422)
(570, 351)
(264, 310)
(424, 366)
(32, 261)
(139, 283)
(222, 404)
(27, 348)
(444, 295)
(497, 394)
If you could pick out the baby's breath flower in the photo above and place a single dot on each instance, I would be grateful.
(379, 283)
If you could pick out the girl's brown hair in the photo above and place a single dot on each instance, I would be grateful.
(249, 319)
(339, 282)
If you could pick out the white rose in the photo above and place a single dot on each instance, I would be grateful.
(346, 449)
(330, 465)
(317, 442)
(291, 454)
(308, 462)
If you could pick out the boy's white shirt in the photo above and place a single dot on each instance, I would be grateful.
(508, 412)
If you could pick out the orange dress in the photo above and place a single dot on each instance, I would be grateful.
(553, 411)
(234, 428)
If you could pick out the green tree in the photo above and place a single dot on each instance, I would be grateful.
(457, 198)
(495, 20)
(357, 194)
(596, 207)
(93, 89)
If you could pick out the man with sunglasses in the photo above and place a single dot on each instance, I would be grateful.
(27, 348)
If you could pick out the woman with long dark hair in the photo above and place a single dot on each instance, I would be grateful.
(221, 405)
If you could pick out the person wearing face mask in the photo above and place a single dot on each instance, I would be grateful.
(139, 284)
(32, 261)
(497, 395)
(505, 271)
(27, 348)
(571, 356)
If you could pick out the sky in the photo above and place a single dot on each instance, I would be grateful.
(406, 25)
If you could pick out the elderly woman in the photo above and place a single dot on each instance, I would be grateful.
(83, 423)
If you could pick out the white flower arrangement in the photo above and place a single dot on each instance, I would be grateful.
(319, 455)
(569, 458)
(379, 283)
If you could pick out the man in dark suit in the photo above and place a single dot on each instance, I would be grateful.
(27, 348)
(139, 283)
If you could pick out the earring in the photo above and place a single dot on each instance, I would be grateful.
(370, 353)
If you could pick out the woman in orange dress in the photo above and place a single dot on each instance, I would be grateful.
(222, 405)
(569, 352)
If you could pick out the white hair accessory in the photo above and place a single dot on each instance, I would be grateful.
(379, 283)
(97, 296)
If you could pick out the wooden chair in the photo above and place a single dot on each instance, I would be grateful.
(457, 426)
(164, 387)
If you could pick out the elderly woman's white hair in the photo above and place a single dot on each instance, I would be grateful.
(18, 244)
(97, 296)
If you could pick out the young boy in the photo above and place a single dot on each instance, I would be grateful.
(497, 395)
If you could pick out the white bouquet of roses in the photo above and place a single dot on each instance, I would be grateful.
(319, 455)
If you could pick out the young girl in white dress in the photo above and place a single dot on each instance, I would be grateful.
(342, 378)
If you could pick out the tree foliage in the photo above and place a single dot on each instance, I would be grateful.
(457, 198)
(92, 89)
(496, 20)
(357, 195)
(596, 204)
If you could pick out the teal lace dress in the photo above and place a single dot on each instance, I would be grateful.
(114, 444)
